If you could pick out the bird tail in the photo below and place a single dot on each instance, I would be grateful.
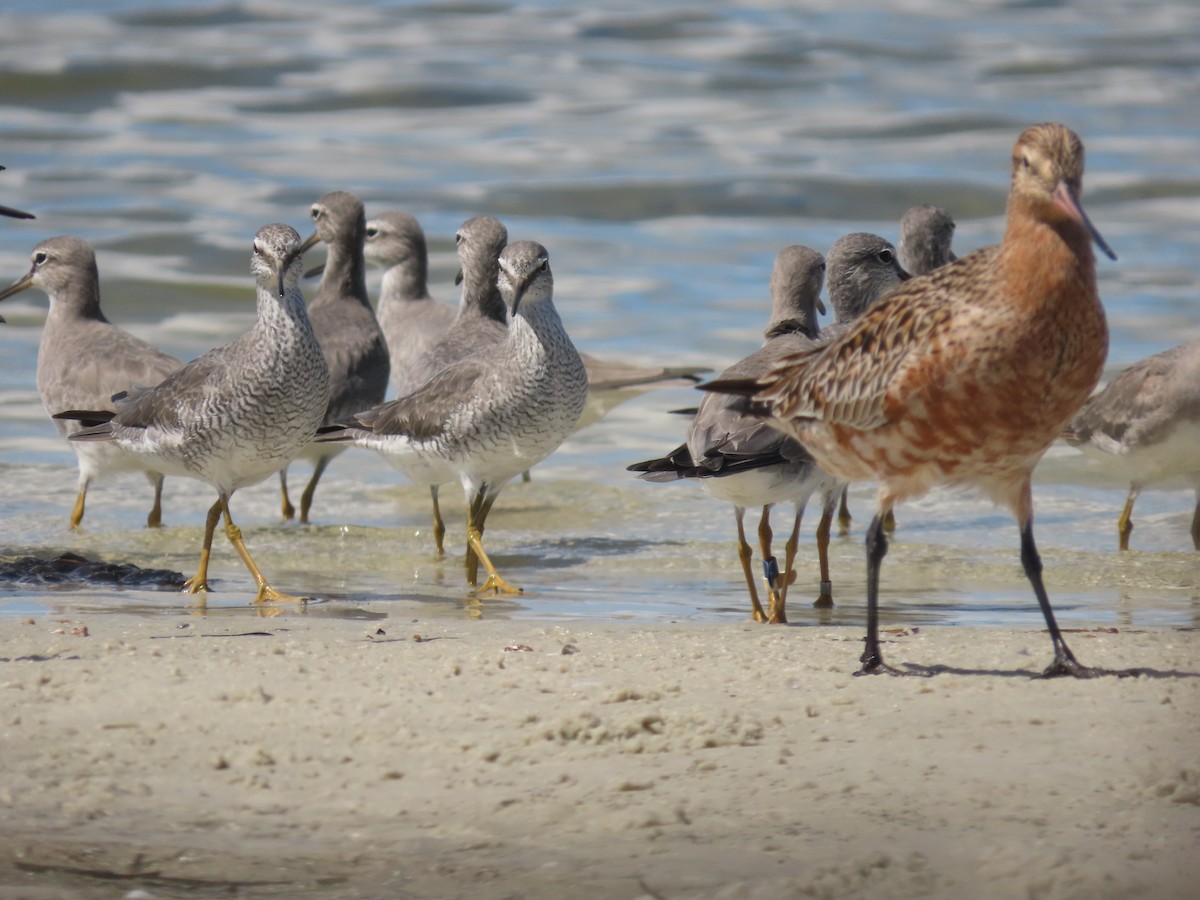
(96, 423)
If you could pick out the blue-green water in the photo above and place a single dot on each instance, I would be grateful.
(664, 154)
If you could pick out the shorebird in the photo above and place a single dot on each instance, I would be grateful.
(238, 413)
(478, 326)
(862, 268)
(490, 416)
(742, 460)
(926, 232)
(345, 326)
(964, 376)
(412, 321)
(1146, 424)
(83, 359)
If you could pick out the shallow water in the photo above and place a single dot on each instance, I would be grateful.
(664, 156)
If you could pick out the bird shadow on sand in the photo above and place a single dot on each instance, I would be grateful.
(929, 671)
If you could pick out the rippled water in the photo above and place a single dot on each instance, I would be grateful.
(663, 154)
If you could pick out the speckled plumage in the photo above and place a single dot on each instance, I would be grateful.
(741, 459)
(490, 416)
(926, 233)
(238, 413)
(966, 375)
(1145, 424)
(413, 322)
(862, 268)
(345, 326)
(84, 359)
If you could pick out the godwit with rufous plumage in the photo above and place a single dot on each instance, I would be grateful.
(964, 376)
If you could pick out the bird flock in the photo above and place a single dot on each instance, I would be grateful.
(936, 370)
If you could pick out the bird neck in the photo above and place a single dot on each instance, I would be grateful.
(481, 298)
(345, 277)
(79, 298)
(288, 312)
(404, 283)
(537, 320)
(794, 325)
(1048, 250)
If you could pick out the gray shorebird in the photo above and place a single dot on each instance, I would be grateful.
(237, 414)
(413, 322)
(742, 460)
(964, 376)
(84, 359)
(345, 325)
(926, 233)
(862, 267)
(490, 416)
(1145, 424)
(479, 326)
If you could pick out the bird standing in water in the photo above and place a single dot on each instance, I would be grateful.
(490, 416)
(345, 326)
(1146, 424)
(964, 376)
(83, 359)
(238, 413)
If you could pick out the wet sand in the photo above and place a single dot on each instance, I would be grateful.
(306, 756)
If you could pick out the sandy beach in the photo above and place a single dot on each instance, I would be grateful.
(303, 755)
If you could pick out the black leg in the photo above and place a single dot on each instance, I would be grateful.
(1064, 660)
(877, 547)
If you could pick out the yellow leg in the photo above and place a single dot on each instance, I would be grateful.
(825, 598)
(476, 520)
(265, 591)
(199, 582)
(289, 511)
(306, 498)
(778, 615)
(844, 517)
(775, 591)
(494, 582)
(80, 502)
(745, 554)
(439, 527)
(154, 520)
(471, 561)
(1125, 522)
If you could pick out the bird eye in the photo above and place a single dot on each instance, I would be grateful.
(1025, 161)
(886, 256)
(316, 213)
(544, 265)
(372, 232)
(40, 257)
(257, 249)
(458, 238)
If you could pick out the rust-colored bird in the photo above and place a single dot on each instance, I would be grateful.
(964, 376)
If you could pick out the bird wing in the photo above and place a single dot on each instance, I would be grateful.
(180, 398)
(424, 413)
(1141, 403)
(859, 378)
